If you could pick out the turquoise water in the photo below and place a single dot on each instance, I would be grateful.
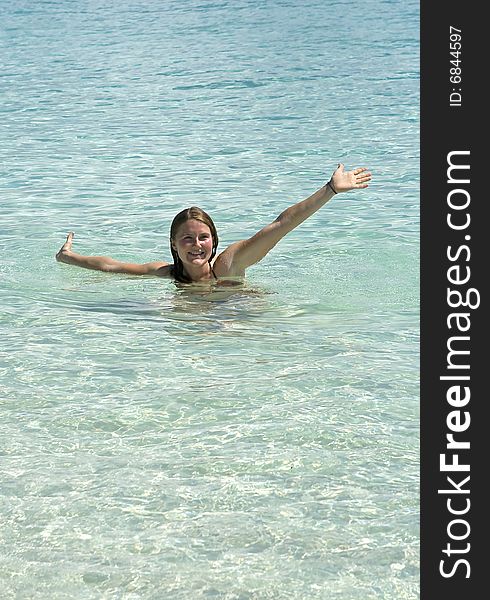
(162, 444)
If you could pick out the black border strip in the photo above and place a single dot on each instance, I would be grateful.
(456, 539)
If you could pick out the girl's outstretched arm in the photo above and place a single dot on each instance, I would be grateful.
(241, 255)
(105, 263)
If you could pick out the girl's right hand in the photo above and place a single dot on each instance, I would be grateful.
(66, 246)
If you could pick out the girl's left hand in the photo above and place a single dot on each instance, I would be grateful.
(343, 181)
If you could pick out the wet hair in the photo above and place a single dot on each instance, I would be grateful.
(196, 213)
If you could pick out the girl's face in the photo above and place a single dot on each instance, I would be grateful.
(193, 243)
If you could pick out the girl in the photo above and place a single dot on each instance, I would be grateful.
(194, 239)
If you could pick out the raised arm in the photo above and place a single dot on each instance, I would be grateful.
(241, 255)
(105, 263)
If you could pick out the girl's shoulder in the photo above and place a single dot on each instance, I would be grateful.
(224, 266)
(162, 269)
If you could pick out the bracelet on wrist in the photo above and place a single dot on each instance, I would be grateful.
(330, 185)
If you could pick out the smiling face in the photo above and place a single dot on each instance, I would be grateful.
(193, 242)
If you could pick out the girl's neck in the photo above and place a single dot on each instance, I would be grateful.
(201, 273)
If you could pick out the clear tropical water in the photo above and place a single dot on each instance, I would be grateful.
(162, 444)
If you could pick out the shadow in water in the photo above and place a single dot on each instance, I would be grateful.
(218, 306)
